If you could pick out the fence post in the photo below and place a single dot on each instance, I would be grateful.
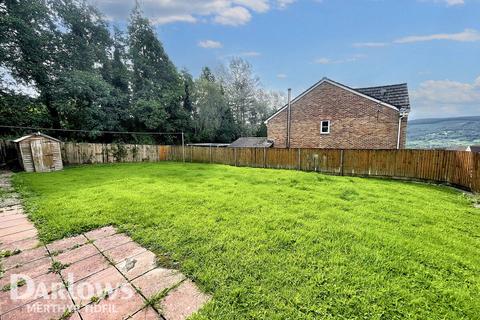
(210, 153)
(341, 162)
(299, 160)
(191, 153)
(183, 147)
(235, 156)
(264, 157)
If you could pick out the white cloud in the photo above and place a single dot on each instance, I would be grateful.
(226, 12)
(250, 54)
(255, 5)
(468, 35)
(442, 98)
(210, 44)
(370, 44)
(234, 16)
(282, 4)
(353, 58)
(174, 18)
(454, 2)
(449, 3)
(281, 76)
(323, 61)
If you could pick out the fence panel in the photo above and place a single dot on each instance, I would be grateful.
(223, 156)
(454, 167)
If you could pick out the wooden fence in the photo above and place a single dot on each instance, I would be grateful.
(457, 168)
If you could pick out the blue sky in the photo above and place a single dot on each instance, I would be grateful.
(433, 45)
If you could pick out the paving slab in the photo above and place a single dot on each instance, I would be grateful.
(158, 280)
(145, 314)
(100, 233)
(183, 301)
(24, 257)
(18, 236)
(24, 244)
(123, 252)
(84, 268)
(137, 265)
(31, 270)
(121, 304)
(52, 306)
(11, 217)
(61, 245)
(112, 241)
(32, 290)
(77, 254)
(16, 222)
(15, 229)
(96, 285)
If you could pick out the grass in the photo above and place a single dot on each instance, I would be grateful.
(277, 244)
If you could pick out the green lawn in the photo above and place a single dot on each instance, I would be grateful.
(277, 244)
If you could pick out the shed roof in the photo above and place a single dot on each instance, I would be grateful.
(36, 134)
(251, 142)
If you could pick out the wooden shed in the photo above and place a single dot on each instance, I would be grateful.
(39, 153)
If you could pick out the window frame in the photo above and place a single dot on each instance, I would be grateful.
(321, 126)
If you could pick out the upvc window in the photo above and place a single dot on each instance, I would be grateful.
(325, 127)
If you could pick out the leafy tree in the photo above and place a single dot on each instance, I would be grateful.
(214, 119)
(30, 46)
(207, 74)
(84, 34)
(84, 99)
(154, 78)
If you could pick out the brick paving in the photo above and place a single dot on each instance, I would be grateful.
(101, 274)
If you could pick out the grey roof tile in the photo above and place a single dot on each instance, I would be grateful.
(396, 95)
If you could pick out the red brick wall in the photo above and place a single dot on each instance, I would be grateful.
(355, 122)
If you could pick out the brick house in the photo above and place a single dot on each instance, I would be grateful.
(332, 115)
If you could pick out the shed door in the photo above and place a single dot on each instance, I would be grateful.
(42, 155)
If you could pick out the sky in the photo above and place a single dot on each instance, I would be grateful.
(433, 45)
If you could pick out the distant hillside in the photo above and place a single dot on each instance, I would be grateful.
(437, 132)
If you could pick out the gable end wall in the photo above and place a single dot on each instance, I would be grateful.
(355, 122)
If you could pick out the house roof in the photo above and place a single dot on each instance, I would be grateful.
(36, 134)
(251, 142)
(396, 93)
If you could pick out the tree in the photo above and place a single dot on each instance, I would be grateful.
(214, 121)
(30, 48)
(154, 77)
(248, 101)
(85, 37)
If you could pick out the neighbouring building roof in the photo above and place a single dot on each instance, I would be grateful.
(207, 144)
(252, 142)
(36, 134)
(391, 96)
(396, 95)
(475, 148)
(457, 148)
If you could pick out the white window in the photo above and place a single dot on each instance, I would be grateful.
(325, 127)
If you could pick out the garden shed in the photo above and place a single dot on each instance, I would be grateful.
(39, 153)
